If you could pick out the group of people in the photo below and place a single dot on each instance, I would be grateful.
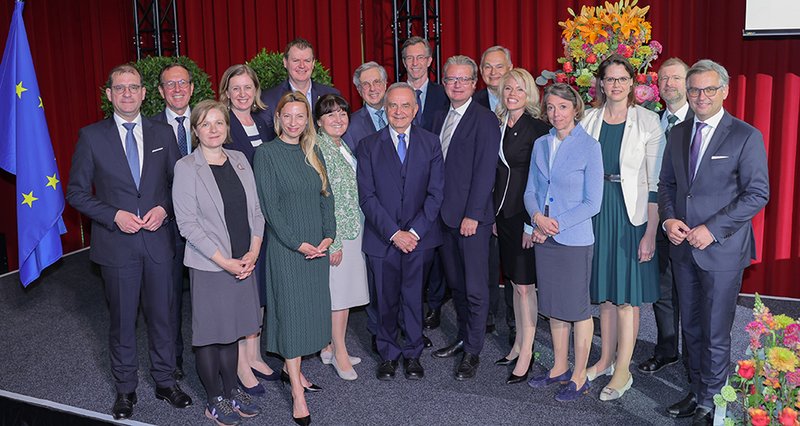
(288, 209)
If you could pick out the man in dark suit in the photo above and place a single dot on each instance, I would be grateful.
(400, 182)
(370, 80)
(298, 59)
(129, 160)
(713, 181)
(176, 88)
(672, 87)
(470, 136)
(495, 64)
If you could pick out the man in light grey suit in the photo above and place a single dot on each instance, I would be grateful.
(713, 181)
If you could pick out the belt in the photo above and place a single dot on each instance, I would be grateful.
(612, 178)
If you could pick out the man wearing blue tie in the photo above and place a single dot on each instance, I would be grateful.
(400, 181)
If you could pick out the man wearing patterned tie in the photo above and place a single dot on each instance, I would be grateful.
(370, 81)
(176, 87)
(400, 180)
(713, 181)
(121, 179)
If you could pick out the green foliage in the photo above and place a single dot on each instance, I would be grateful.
(268, 66)
(150, 68)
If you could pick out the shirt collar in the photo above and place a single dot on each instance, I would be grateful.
(680, 113)
(171, 115)
(712, 121)
(372, 110)
(394, 134)
(463, 108)
(120, 121)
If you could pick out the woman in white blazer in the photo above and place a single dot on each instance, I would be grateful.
(624, 271)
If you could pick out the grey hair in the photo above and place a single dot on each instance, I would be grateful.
(705, 65)
(497, 48)
(401, 85)
(416, 40)
(462, 60)
(368, 66)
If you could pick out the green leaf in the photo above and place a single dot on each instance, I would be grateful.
(728, 393)
(719, 401)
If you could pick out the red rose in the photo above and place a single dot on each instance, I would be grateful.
(567, 67)
(591, 59)
(561, 78)
(641, 78)
(788, 417)
(758, 417)
(747, 369)
(653, 76)
(628, 52)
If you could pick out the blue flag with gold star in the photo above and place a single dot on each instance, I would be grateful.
(26, 151)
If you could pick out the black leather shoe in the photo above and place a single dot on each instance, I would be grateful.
(178, 374)
(468, 366)
(426, 342)
(452, 350)
(683, 408)
(123, 406)
(505, 361)
(374, 344)
(309, 389)
(656, 363)
(302, 421)
(386, 370)
(174, 395)
(703, 417)
(433, 318)
(514, 379)
(413, 369)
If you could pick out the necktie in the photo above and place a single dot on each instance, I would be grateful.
(447, 133)
(401, 147)
(694, 151)
(182, 145)
(671, 120)
(132, 152)
(381, 122)
(418, 118)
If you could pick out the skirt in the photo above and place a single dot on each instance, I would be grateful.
(519, 264)
(224, 309)
(563, 274)
(348, 281)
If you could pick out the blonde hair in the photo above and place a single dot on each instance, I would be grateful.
(308, 139)
(235, 71)
(524, 79)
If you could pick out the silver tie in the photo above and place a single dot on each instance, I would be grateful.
(447, 132)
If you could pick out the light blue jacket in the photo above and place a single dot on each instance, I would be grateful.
(575, 184)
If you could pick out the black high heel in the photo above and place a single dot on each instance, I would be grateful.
(302, 421)
(310, 389)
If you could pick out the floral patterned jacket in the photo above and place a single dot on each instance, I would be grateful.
(342, 177)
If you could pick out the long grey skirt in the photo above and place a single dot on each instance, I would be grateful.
(563, 276)
(224, 309)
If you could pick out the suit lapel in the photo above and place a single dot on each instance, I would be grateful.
(117, 157)
(720, 134)
(543, 161)
(148, 145)
(206, 177)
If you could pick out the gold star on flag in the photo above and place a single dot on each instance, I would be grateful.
(41, 105)
(20, 89)
(29, 199)
(52, 181)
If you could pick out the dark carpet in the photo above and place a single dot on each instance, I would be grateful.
(55, 348)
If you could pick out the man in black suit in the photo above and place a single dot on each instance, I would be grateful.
(129, 160)
(495, 64)
(370, 81)
(672, 86)
(176, 87)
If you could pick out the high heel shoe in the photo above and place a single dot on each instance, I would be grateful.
(302, 421)
(610, 394)
(514, 379)
(506, 361)
(607, 372)
(275, 376)
(345, 375)
(312, 388)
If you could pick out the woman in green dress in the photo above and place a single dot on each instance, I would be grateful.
(624, 271)
(298, 206)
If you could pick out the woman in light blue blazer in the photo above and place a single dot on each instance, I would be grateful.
(565, 186)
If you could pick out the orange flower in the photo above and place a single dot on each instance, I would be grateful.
(758, 417)
(788, 417)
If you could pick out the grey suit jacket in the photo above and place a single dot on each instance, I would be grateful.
(200, 212)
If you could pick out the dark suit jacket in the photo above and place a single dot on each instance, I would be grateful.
(689, 115)
(482, 97)
(271, 96)
(360, 126)
(730, 187)
(99, 161)
(514, 165)
(398, 196)
(240, 141)
(469, 168)
(436, 101)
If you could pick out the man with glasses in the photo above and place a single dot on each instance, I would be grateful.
(370, 81)
(470, 137)
(431, 98)
(176, 87)
(121, 178)
(713, 181)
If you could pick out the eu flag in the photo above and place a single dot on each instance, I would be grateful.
(26, 151)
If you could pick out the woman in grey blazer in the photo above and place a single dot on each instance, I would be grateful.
(216, 207)
(565, 186)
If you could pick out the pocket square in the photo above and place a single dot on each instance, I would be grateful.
(157, 149)
(719, 157)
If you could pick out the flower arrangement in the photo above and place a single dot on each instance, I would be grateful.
(598, 32)
(767, 385)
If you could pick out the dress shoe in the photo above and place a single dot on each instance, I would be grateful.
(386, 370)
(327, 356)
(426, 342)
(506, 361)
(570, 392)
(256, 390)
(123, 405)
(302, 421)
(468, 367)
(244, 404)
(656, 363)
(610, 394)
(374, 344)
(545, 379)
(174, 395)
(309, 389)
(514, 379)
(433, 318)
(703, 416)
(593, 374)
(178, 373)
(452, 350)
(344, 374)
(413, 369)
(683, 408)
(274, 377)
(222, 412)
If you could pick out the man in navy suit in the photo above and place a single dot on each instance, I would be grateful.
(431, 98)
(713, 181)
(129, 160)
(400, 182)
(176, 87)
(298, 59)
(370, 81)
(495, 64)
(470, 136)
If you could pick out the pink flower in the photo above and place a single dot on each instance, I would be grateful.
(592, 91)
(644, 93)
(561, 78)
(656, 46)
(793, 378)
(755, 329)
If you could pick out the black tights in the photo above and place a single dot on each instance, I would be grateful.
(214, 361)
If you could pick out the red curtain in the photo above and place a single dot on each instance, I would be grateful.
(74, 44)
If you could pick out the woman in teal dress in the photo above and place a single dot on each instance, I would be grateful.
(298, 206)
(624, 271)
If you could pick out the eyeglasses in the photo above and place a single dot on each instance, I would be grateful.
(170, 85)
(621, 80)
(371, 84)
(454, 80)
(120, 88)
(709, 91)
(419, 58)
